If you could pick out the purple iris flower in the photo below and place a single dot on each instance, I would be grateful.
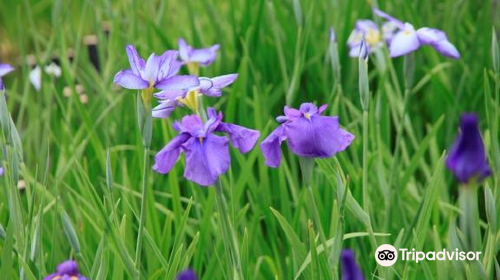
(4, 70)
(172, 98)
(67, 270)
(368, 30)
(350, 268)
(157, 72)
(187, 274)
(207, 154)
(203, 57)
(309, 134)
(407, 39)
(467, 157)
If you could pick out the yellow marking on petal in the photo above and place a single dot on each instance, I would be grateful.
(307, 116)
(372, 37)
(407, 32)
(201, 139)
(56, 277)
(74, 278)
(191, 100)
(193, 68)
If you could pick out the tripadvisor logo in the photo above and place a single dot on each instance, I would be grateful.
(387, 255)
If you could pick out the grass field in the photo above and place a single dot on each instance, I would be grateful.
(80, 160)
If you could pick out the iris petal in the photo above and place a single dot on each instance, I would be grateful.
(167, 157)
(206, 159)
(183, 82)
(136, 62)
(127, 79)
(241, 137)
(271, 147)
(404, 42)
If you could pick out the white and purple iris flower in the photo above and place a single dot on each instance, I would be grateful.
(467, 157)
(66, 270)
(368, 31)
(158, 72)
(202, 57)
(172, 97)
(308, 134)
(407, 39)
(207, 154)
(4, 70)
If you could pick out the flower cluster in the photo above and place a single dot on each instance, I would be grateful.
(401, 37)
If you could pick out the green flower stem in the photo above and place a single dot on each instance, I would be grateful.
(145, 120)
(306, 167)
(229, 237)
(469, 217)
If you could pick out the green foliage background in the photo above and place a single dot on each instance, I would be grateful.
(280, 50)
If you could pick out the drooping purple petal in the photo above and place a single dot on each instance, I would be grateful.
(389, 28)
(467, 157)
(1, 171)
(137, 64)
(271, 146)
(127, 79)
(170, 95)
(438, 40)
(191, 124)
(350, 268)
(318, 136)
(404, 41)
(206, 159)
(165, 108)
(167, 157)
(175, 83)
(187, 274)
(5, 69)
(241, 137)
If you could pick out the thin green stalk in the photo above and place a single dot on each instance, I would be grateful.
(145, 120)
(229, 236)
(469, 219)
(306, 167)
(366, 204)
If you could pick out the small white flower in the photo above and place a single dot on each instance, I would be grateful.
(53, 70)
(35, 78)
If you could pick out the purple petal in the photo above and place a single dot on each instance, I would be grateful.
(5, 69)
(404, 42)
(350, 268)
(467, 157)
(1, 171)
(136, 62)
(212, 87)
(68, 267)
(381, 14)
(365, 24)
(204, 56)
(438, 40)
(191, 124)
(206, 159)
(187, 274)
(270, 147)
(168, 59)
(127, 79)
(152, 68)
(184, 50)
(354, 39)
(175, 83)
(320, 136)
(164, 109)
(389, 28)
(241, 137)
(51, 276)
(167, 157)
(1, 84)
(447, 49)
